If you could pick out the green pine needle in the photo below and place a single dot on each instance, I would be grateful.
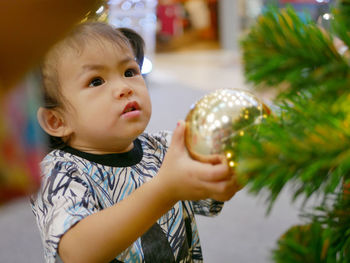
(283, 49)
(306, 144)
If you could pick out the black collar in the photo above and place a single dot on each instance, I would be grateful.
(125, 159)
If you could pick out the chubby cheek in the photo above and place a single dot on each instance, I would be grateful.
(103, 121)
(98, 128)
(95, 118)
(148, 104)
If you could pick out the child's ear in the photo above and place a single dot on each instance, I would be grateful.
(52, 122)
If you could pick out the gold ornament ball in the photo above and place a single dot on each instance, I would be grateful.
(217, 118)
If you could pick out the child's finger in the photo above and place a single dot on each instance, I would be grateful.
(212, 172)
(222, 191)
(212, 159)
(178, 135)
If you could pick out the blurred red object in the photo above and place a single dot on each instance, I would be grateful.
(22, 144)
(169, 19)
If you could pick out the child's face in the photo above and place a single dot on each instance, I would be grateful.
(109, 102)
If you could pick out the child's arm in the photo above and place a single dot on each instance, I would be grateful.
(100, 237)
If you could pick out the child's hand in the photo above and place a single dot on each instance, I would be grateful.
(186, 179)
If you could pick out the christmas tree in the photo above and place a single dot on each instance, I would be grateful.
(305, 143)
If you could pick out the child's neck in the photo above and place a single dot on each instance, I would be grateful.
(102, 150)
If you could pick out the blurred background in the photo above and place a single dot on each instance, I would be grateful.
(192, 48)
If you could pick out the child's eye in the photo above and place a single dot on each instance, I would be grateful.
(96, 82)
(130, 73)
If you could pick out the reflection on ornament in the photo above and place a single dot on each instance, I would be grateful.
(217, 118)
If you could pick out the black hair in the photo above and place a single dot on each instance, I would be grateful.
(136, 42)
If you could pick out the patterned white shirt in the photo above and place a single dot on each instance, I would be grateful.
(77, 184)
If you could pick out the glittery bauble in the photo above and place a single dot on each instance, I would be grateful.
(217, 118)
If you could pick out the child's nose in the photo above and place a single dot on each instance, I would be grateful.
(125, 92)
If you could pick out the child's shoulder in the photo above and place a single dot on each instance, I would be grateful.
(60, 160)
(58, 155)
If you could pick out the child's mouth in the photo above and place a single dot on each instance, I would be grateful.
(129, 109)
(131, 106)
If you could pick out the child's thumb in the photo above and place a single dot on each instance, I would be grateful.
(179, 133)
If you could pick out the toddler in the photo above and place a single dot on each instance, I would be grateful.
(110, 191)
